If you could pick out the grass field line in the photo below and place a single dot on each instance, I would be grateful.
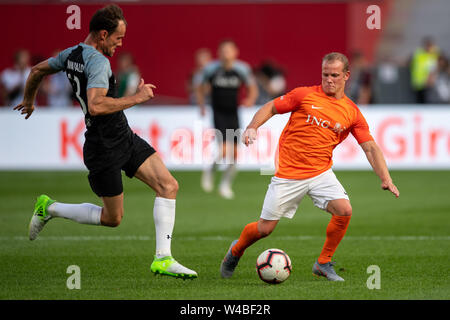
(222, 238)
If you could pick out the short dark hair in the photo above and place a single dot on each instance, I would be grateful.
(333, 56)
(107, 19)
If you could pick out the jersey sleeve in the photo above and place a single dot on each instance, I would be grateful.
(206, 73)
(197, 78)
(360, 129)
(97, 71)
(58, 62)
(291, 101)
(245, 72)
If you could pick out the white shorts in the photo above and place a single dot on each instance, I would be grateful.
(284, 195)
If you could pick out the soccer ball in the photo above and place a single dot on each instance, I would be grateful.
(273, 266)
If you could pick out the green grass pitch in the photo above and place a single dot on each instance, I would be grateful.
(408, 238)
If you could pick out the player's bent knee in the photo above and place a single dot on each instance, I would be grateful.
(170, 188)
(264, 232)
(266, 229)
(340, 207)
(344, 211)
(175, 186)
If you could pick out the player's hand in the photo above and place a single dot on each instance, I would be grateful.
(25, 109)
(145, 91)
(391, 187)
(249, 136)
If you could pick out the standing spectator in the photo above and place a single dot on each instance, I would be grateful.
(423, 61)
(439, 82)
(359, 85)
(225, 77)
(13, 79)
(58, 89)
(202, 56)
(128, 75)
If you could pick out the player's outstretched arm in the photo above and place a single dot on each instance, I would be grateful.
(266, 112)
(100, 104)
(378, 163)
(37, 74)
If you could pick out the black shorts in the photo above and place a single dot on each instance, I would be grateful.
(105, 165)
(230, 121)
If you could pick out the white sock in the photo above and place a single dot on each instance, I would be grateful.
(164, 216)
(228, 175)
(86, 213)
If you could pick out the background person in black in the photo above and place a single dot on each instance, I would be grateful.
(224, 79)
(110, 144)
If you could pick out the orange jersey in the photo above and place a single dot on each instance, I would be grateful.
(318, 123)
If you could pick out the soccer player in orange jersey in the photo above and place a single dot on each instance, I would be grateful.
(321, 118)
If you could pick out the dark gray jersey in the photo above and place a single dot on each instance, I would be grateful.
(87, 68)
(225, 84)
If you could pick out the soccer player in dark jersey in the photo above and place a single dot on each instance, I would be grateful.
(110, 144)
(224, 78)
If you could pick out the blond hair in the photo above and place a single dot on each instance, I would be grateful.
(333, 56)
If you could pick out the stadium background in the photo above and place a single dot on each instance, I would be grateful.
(163, 37)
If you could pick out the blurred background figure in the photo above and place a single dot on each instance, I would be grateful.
(202, 57)
(224, 78)
(359, 85)
(439, 82)
(13, 79)
(270, 80)
(424, 60)
(128, 75)
(391, 82)
(58, 89)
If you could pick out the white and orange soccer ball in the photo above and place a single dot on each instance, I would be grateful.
(273, 266)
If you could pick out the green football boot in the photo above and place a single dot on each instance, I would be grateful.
(40, 216)
(168, 266)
